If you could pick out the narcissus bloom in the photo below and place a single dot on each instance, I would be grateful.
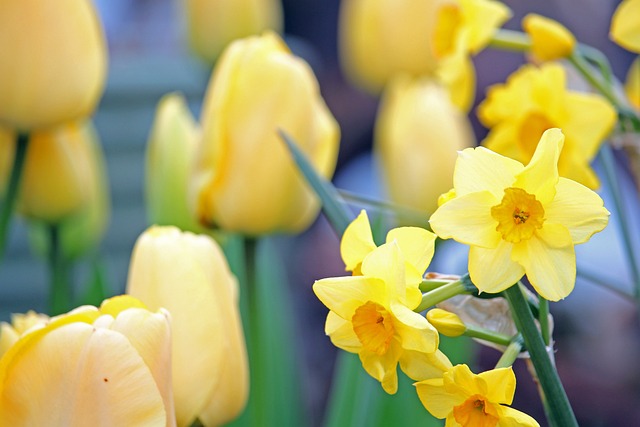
(106, 366)
(245, 178)
(188, 275)
(372, 315)
(536, 99)
(520, 220)
(54, 62)
(469, 400)
(550, 40)
(417, 137)
(625, 25)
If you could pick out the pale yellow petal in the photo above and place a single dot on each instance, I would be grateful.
(383, 368)
(462, 381)
(482, 18)
(357, 241)
(578, 209)
(541, 174)
(493, 270)
(438, 401)
(341, 333)
(416, 244)
(458, 74)
(631, 85)
(625, 25)
(501, 384)
(509, 417)
(503, 139)
(467, 219)
(575, 166)
(479, 169)
(590, 119)
(550, 40)
(421, 366)
(415, 332)
(343, 295)
(388, 264)
(550, 266)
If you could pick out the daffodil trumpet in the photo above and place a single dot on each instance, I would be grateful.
(11, 194)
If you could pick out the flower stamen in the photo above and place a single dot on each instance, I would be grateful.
(519, 215)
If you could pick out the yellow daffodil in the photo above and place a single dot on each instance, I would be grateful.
(632, 83)
(188, 275)
(106, 366)
(469, 400)
(625, 25)
(382, 38)
(171, 152)
(213, 24)
(536, 99)
(550, 40)
(372, 315)
(245, 179)
(520, 220)
(54, 62)
(417, 136)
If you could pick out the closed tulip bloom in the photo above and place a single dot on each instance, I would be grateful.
(170, 155)
(245, 178)
(53, 63)
(189, 276)
(625, 25)
(106, 366)
(213, 24)
(417, 137)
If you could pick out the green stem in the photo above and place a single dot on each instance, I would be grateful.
(510, 40)
(428, 285)
(580, 64)
(543, 318)
(608, 162)
(559, 407)
(61, 294)
(511, 353)
(11, 195)
(440, 294)
(487, 335)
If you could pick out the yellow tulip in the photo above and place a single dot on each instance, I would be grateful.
(245, 179)
(417, 136)
(106, 366)
(213, 24)
(53, 62)
(20, 323)
(170, 154)
(189, 276)
(550, 40)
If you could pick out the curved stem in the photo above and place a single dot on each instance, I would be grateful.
(440, 294)
(511, 353)
(11, 195)
(510, 40)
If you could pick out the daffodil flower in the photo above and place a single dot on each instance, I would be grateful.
(469, 400)
(536, 99)
(372, 315)
(520, 220)
(625, 25)
(550, 40)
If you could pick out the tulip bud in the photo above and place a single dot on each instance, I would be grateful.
(625, 27)
(550, 40)
(446, 323)
(91, 366)
(170, 154)
(213, 24)
(189, 276)
(54, 62)
(417, 136)
(245, 178)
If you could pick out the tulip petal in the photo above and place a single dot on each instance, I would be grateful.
(357, 241)
(493, 270)
(479, 169)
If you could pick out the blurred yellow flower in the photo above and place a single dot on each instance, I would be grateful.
(372, 315)
(417, 137)
(106, 366)
(54, 62)
(520, 220)
(245, 179)
(625, 25)
(550, 40)
(7, 154)
(632, 83)
(536, 99)
(170, 156)
(469, 400)
(213, 24)
(188, 275)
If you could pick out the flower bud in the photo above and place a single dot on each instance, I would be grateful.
(550, 40)
(446, 323)
(417, 136)
(213, 24)
(245, 178)
(189, 276)
(91, 366)
(170, 155)
(54, 62)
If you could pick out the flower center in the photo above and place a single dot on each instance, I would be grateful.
(373, 326)
(475, 412)
(519, 215)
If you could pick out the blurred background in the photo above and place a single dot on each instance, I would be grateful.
(596, 330)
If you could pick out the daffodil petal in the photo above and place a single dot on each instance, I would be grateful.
(357, 241)
(578, 209)
(482, 17)
(341, 333)
(501, 140)
(575, 166)
(503, 385)
(387, 263)
(550, 266)
(479, 169)
(383, 368)
(343, 295)
(590, 119)
(415, 332)
(509, 417)
(416, 244)
(461, 380)
(436, 399)
(421, 366)
(493, 270)
(625, 26)
(541, 174)
(467, 219)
